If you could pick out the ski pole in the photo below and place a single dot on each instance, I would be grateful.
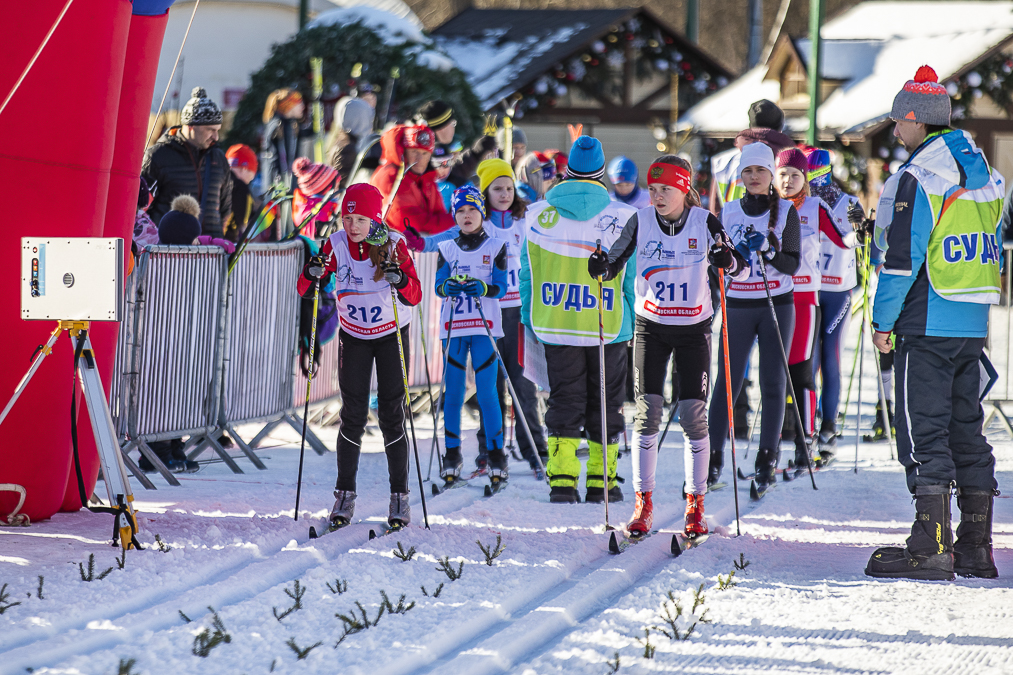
(513, 393)
(883, 409)
(752, 427)
(434, 448)
(861, 350)
(601, 382)
(671, 415)
(309, 383)
(784, 358)
(728, 392)
(408, 403)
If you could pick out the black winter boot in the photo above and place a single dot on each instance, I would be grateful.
(929, 550)
(564, 494)
(716, 464)
(766, 466)
(972, 552)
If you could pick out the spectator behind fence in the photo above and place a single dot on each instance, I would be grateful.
(187, 160)
(314, 181)
(181, 227)
(243, 162)
(145, 229)
(351, 132)
(419, 202)
(279, 144)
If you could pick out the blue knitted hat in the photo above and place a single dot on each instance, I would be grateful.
(623, 170)
(587, 160)
(819, 168)
(467, 194)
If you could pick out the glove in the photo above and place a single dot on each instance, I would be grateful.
(598, 264)
(856, 216)
(756, 241)
(413, 239)
(393, 274)
(720, 256)
(316, 268)
(475, 288)
(451, 288)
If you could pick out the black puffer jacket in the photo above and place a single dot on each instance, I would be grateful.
(180, 169)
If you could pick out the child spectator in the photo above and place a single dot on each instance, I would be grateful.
(315, 181)
(419, 202)
(243, 162)
(181, 226)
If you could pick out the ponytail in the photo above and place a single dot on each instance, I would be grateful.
(381, 254)
(775, 204)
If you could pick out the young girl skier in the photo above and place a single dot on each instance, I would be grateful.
(673, 241)
(365, 274)
(504, 221)
(815, 219)
(471, 266)
(838, 278)
(759, 224)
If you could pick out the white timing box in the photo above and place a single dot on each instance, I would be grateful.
(71, 278)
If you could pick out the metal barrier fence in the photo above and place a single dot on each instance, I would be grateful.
(201, 351)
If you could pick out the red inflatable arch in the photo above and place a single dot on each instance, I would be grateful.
(73, 135)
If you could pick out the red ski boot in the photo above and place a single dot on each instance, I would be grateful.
(643, 516)
(696, 524)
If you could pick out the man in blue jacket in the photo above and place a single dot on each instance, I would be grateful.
(937, 223)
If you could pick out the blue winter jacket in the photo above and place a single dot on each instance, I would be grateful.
(581, 200)
(905, 301)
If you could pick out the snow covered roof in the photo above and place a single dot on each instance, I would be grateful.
(503, 50)
(394, 22)
(873, 48)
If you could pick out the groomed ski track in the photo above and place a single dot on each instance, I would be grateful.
(556, 601)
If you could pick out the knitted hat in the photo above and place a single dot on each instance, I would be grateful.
(623, 170)
(362, 199)
(766, 114)
(314, 179)
(435, 115)
(819, 172)
(420, 137)
(179, 226)
(490, 169)
(794, 158)
(468, 195)
(288, 102)
(757, 154)
(200, 110)
(242, 156)
(356, 117)
(587, 160)
(517, 135)
(922, 100)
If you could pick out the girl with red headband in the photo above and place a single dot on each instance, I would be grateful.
(365, 273)
(815, 218)
(676, 242)
(759, 224)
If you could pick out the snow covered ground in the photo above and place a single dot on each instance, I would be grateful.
(555, 601)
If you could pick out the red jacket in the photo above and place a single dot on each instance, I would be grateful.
(418, 198)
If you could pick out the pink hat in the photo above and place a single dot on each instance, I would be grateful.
(314, 179)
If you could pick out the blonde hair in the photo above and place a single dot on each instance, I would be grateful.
(280, 100)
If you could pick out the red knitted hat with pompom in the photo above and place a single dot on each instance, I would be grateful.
(923, 100)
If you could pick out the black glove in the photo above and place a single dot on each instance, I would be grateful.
(720, 256)
(598, 264)
(316, 268)
(856, 215)
(393, 274)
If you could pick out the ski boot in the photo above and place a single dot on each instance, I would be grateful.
(827, 440)
(714, 472)
(596, 495)
(498, 474)
(766, 468)
(451, 471)
(972, 552)
(929, 550)
(643, 516)
(696, 524)
(878, 432)
(400, 513)
(343, 509)
(788, 429)
(481, 465)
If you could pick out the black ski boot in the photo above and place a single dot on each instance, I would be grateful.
(452, 465)
(972, 552)
(714, 472)
(878, 431)
(788, 425)
(564, 494)
(929, 550)
(827, 440)
(766, 467)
